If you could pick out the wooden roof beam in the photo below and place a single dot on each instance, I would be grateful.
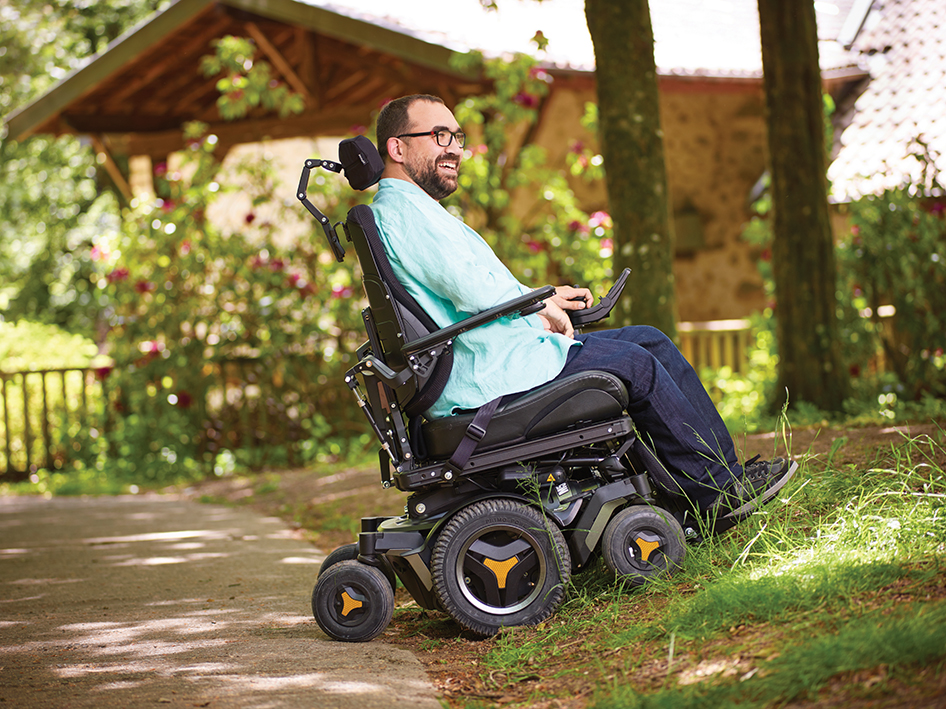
(111, 167)
(279, 61)
(159, 144)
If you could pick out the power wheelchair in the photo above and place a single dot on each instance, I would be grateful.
(504, 504)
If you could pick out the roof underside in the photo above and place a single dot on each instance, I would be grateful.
(139, 93)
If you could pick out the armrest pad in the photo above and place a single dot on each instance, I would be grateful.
(517, 305)
(603, 308)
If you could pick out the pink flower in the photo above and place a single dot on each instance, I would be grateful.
(160, 169)
(102, 373)
(249, 218)
(167, 205)
(185, 247)
(342, 291)
(184, 400)
(602, 219)
(577, 147)
(144, 286)
(99, 254)
(526, 100)
(119, 274)
(534, 246)
(277, 264)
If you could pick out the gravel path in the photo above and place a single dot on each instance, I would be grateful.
(155, 601)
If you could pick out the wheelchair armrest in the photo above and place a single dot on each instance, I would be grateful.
(602, 309)
(523, 305)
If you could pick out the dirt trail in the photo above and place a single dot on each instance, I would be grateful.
(151, 600)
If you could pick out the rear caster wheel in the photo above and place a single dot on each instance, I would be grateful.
(498, 563)
(349, 552)
(643, 543)
(352, 601)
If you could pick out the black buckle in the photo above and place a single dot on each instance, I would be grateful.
(475, 432)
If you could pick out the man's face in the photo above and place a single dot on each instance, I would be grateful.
(433, 168)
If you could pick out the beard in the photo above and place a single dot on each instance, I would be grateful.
(429, 178)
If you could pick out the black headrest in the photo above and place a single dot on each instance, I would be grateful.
(361, 161)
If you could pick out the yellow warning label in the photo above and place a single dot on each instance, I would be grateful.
(646, 548)
(550, 478)
(349, 603)
(501, 569)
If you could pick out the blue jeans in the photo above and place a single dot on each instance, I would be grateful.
(673, 413)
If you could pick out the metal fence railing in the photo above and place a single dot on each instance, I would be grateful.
(55, 416)
(50, 416)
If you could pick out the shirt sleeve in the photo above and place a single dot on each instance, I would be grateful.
(450, 259)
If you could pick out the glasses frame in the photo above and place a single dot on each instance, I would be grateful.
(459, 136)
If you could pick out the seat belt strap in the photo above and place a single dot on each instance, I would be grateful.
(474, 434)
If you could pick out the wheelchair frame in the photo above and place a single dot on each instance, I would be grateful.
(491, 539)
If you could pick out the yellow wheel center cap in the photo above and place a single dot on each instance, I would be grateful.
(501, 569)
(646, 547)
(349, 604)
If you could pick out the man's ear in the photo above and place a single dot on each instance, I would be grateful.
(395, 149)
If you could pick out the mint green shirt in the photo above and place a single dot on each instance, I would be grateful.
(452, 273)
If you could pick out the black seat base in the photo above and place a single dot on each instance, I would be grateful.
(436, 473)
(560, 405)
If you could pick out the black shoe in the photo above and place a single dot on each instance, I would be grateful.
(761, 480)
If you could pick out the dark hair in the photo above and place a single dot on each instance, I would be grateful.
(393, 120)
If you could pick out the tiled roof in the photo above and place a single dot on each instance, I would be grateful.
(904, 44)
(714, 38)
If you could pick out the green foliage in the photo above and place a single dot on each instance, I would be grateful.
(246, 83)
(26, 345)
(895, 255)
(524, 209)
(187, 296)
(52, 203)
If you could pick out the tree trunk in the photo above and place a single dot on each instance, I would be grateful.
(632, 147)
(810, 365)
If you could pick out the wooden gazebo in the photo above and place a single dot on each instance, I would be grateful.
(133, 98)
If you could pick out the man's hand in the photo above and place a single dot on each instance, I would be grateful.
(555, 319)
(571, 298)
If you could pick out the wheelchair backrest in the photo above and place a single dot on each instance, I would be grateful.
(393, 315)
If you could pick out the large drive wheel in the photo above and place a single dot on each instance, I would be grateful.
(642, 543)
(497, 563)
(352, 601)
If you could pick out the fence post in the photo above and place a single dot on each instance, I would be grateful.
(27, 431)
(6, 425)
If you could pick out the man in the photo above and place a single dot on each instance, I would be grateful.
(452, 273)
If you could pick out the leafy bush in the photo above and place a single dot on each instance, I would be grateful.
(895, 255)
(33, 346)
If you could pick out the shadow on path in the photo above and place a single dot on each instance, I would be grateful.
(131, 601)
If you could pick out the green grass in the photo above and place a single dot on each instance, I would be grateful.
(844, 573)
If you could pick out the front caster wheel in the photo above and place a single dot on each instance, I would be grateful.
(352, 601)
(643, 543)
(349, 552)
(499, 563)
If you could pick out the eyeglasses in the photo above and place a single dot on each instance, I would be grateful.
(442, 136)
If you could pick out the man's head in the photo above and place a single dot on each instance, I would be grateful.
(421, 142)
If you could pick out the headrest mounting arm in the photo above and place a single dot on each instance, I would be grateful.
(337, 248)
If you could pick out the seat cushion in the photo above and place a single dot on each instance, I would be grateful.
(586, 397)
